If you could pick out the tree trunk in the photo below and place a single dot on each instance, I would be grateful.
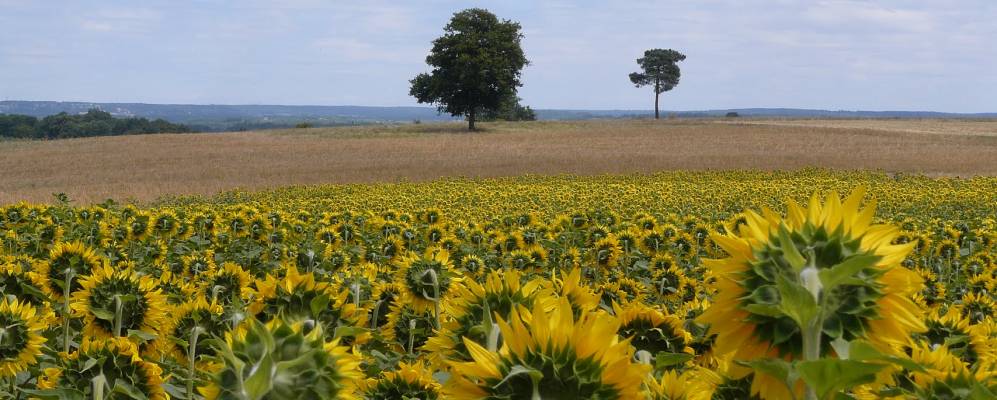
(657, 93)
(470, 120)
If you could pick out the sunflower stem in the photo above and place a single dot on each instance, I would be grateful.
(813, 329)
(435, 280)
(97, 385)
(411, 335)
(118, 307)
(374, 314)
(493, 337)
(65, 316)
(356, 294)
(191, 356)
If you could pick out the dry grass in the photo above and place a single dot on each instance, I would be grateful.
(145, 167)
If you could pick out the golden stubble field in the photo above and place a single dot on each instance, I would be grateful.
(143, 168)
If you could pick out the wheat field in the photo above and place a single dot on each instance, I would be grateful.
(143, 168)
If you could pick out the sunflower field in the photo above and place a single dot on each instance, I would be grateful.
(679, 285)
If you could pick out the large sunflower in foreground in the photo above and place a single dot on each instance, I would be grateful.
(21, 342)
(873, 303)
(553, 356)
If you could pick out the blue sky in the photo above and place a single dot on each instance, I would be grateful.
(873, 55)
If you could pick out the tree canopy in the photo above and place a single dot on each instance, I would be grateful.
(658, 70)
(476, 65)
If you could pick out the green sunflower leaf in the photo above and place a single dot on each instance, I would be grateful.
(665, 359)
(840, 273)
(830, 376)
(789, 250)
(782, 370)
(124, 388)
(55, 394)
(102, 314)
(796, 301)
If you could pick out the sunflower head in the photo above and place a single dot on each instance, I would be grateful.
(427, 278)
(408, 381)
(21, 337)
(298, 365)
(848, 265)
(473, 310)
(113, 302)
(68, 259)
(117, 360)
(551, 355)
(652, 331)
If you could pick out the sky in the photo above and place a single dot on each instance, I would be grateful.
(930, 55)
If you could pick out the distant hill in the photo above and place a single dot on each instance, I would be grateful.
(244, 117)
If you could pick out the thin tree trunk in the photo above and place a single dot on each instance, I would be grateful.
(657, 93)
(470, 120)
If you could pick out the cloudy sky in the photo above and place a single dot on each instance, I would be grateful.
(871, 55)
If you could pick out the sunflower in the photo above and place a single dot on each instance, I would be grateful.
(652, 241)
(383, 296)
(472, 264)
(652, 331)
(407, 329)
(946, 376)
(117, 359)
(407, 381)
(197, 263)
(955, 332)
(427, 278)
(113, 302)
(74, 258)
(226, 284)
(873, 305)
(300, 297)
(20, 336)
(977, 307)
(473, 308)
(184, 319)
(303, 365)
(693, 384)
(606, 252)
(552, 355)
(947, 249)
(670, 282)
(22, 283)
(581, 297)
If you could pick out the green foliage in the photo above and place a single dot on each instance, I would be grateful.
(94, 123)
(510, 110)
(476, 65)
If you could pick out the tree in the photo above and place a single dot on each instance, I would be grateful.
(476, 65)
(659, 71)
(510, 110)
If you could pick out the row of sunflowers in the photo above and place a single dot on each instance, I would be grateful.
(396, 292)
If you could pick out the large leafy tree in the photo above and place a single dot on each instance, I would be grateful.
(476, 65)
(659, 69)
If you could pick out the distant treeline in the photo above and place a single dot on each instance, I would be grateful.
(93, 123)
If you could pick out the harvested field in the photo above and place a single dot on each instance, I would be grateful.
(145, 167)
